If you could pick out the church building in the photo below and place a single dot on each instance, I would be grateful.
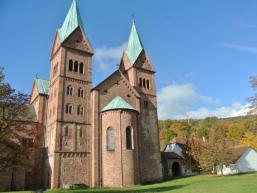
(102, 136)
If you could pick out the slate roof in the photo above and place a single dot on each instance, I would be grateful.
(71, 22)
(117, 103)
(42, 86)
(135, 45)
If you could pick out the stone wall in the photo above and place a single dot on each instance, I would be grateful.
(120, 166)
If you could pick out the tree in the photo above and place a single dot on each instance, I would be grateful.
(250, 140)
(13, 130)
(192, 153)
(216, 151)
(253, 99)
(235, 132)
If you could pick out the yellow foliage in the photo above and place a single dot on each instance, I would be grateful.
(249, 139)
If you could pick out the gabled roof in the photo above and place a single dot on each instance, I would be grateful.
(117, 103)
(117, 72)
(71, 22)
(42, 86)
(170, 155)
(238, 151)
(135, 45)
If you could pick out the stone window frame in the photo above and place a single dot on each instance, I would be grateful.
(76, 66)
(80, 92)
(147, 84)
(66, 131)
(68, 108)
(80, 110)
(140, 82)
(129, 139)
(81, 68)
(70, 67)
(110, 146)
(69, 90)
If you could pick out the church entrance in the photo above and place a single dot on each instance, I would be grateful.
(176, 170)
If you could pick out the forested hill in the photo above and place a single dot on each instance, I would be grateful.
(236, 130)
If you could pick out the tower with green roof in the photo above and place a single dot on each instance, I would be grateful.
(139, 70)
(68, 110)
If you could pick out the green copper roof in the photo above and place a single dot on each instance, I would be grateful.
(135, 45)
(42, 86)
(71, 22)
(117, 103)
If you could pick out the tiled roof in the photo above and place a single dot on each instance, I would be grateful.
(42, 86)
(71, 22)
(135, 45)
(117, 103)
(170, 155)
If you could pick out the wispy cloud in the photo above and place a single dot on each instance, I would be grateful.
(237, 47)
(235, 109)
(181, 101)
(248, 25)
(106, 56)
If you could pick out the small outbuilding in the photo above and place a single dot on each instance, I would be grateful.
(245, 161)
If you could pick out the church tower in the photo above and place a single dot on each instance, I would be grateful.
(139, 70)
(68, 114)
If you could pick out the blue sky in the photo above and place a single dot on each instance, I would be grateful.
(204, 51)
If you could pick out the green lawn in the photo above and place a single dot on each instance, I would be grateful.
(246, 183)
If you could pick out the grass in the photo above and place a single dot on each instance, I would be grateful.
(245, 183)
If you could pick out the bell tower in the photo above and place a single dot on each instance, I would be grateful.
(137, 67)
(68, 114)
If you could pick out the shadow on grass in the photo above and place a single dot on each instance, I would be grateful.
(127, 190)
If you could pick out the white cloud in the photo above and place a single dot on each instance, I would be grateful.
(175, 99)
(106, 56)
(236, 109)
(181, 101)
(237, 47)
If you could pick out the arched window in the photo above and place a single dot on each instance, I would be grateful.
(68, 109)
(66, 131)
(81, 67)
(140, 82)
(144, 83)
(80, 110)
(80, 92)
(80, 132)
(69, 90)
(76, 66)
(129, 139)
(110, 139)
(147, 84)
(70, 65)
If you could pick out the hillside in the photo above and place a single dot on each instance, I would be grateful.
(238, 130)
